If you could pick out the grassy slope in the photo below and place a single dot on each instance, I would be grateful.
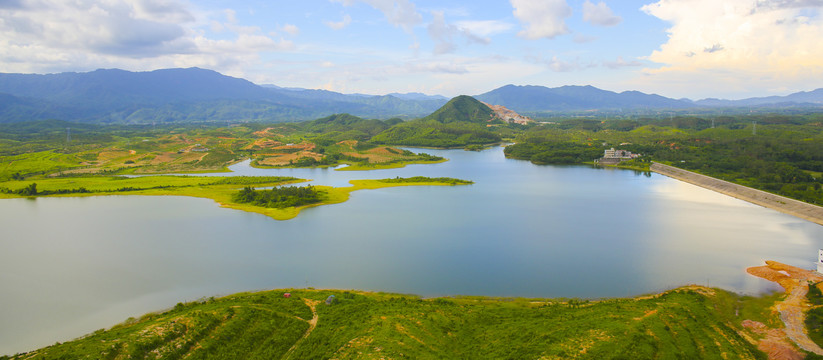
(219, 189)
(684, 323)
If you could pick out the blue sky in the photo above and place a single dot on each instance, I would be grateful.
(676, 48)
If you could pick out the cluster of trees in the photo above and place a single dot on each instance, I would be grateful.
(554, 153)
(279, 197)
(814, 317)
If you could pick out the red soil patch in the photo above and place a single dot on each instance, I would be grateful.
(284, 159)
(795, 280)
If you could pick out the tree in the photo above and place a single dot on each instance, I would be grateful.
(30, 190)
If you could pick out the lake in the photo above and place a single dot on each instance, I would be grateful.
(69, 266)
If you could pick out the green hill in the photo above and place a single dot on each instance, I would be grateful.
(685, 323)
(462, 108)
(462, 121)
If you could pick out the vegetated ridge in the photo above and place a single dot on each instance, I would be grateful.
(181, 95)
(690, 322)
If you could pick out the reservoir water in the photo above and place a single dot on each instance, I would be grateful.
(69, 266)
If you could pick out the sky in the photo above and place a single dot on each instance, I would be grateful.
(676, 48)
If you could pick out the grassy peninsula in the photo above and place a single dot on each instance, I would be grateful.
(690, 322)
(223, 189)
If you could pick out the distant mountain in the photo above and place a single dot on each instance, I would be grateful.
(814, 97)
(182, 95)
(574, 98)
(418, 96)
(463, 108)
(200, 95)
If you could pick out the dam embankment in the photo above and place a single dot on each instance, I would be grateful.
(783, 204)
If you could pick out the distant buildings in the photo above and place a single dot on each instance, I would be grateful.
(820, 261)
(613, 157)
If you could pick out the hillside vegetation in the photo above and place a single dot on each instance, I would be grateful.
(687, 323)
(781, 154)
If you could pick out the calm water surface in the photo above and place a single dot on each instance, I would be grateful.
(69, 266)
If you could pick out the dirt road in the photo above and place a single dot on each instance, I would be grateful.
(796, 282)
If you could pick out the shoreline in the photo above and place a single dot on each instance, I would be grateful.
(782, 204)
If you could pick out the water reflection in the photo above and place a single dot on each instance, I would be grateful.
(72, 265)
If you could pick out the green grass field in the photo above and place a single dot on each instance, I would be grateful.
(685, 323)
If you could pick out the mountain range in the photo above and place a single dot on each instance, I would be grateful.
(200, 95)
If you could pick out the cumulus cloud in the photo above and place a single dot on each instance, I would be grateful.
(542, 18)
(713, 48)
(599, 14)
(444, 33)
(744, 40)
(581, 38)
(484, 27)
(55, 35)
(291, 29)
(339, 25)
(402, 13)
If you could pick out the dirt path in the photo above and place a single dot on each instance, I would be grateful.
(312, 324)
(796, 282)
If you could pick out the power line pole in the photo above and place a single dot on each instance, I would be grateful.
(68, 137)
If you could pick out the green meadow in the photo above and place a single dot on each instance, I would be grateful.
(684, 323)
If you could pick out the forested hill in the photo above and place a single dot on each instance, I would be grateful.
(463, 108)
(462, 121)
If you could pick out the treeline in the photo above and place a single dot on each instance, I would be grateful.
(279, 197)
(553, 153)
(32, 190)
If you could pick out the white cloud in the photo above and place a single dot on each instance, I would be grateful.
(561, 66)
(55, 35)
(581, 38)
(339, 25)
(739, 44)
(291, 29)
(484, 27)
(444, 33)
(402, 13)
(599, 14)
(542, 18)
(620, 63)
(436, 67)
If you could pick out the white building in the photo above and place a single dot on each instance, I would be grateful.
(619, 154)
(820, 261)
